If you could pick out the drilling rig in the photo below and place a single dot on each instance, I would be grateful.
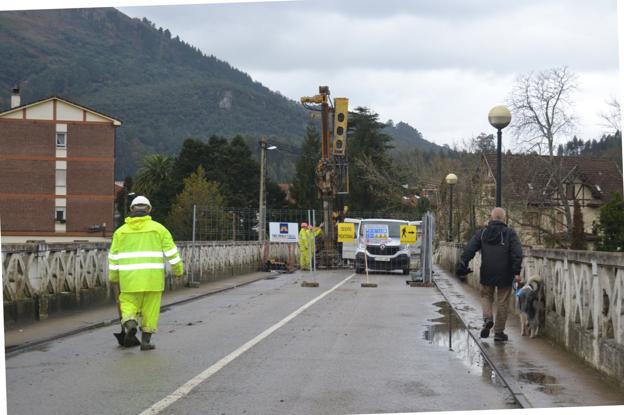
(332, 174)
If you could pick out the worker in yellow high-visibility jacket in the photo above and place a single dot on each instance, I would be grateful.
(304, 247)
(307, 246)
(136, 263)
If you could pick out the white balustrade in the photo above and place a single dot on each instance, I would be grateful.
(31, 270)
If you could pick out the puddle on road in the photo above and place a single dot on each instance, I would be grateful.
(546, 383)
(462, 344)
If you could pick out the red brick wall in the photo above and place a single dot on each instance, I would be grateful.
(27, 138)
(32, 214)
(26, 176)
(83, 213)
(22, 140)
(92, 176)
(90, 140)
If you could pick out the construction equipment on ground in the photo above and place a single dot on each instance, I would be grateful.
(332, 174)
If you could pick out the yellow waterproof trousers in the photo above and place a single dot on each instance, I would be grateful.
(145, 304)
(304, 258)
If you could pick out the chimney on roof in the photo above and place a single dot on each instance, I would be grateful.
(15, 97)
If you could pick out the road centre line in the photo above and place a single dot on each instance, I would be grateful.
(185, 389)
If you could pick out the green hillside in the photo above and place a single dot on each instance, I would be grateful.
(406, 137)
(161, 88)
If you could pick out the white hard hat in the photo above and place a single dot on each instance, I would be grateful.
(140, 200)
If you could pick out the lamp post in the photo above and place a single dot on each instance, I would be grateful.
(264, 146)
(451, 179)
(499, 117)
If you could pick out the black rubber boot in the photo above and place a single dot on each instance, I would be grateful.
(500, 337)
(131, 330)
(485, 331)
(145, 341)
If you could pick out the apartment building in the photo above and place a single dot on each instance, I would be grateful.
(57, 161)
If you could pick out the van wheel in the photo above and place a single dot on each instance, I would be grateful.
(406, 271)
(359, 270)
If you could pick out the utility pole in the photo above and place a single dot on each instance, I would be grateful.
(262, 201)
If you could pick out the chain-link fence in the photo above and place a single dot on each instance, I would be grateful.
(242, 224)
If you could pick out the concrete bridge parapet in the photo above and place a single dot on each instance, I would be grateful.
(584, 294)
(39, 279)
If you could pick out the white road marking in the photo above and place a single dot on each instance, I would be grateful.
(185, 389)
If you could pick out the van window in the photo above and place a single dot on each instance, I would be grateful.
(394, 228)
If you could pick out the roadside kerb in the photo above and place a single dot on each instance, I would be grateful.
(511, 384)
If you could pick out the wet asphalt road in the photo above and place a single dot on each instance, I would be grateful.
(357, 350)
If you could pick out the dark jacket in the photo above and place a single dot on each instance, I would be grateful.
(501, 254)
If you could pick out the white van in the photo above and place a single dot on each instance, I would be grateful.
(385, 253)
(349, 248)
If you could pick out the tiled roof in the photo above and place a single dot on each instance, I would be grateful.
(528, 175)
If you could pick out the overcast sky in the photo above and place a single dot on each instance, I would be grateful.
(439, 65)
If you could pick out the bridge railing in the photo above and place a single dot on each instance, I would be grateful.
(41, 278)
(584, 295)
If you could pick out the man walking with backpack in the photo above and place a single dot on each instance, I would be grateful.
(501, 263)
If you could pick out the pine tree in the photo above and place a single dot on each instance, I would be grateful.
(304, 185)
(240, 177)
(374, 184)
(192, 154)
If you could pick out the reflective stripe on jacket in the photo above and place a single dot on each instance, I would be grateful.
(136, 256)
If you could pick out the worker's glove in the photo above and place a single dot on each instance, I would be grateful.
(462, 269)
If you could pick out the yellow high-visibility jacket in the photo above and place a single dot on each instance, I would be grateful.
(304, 241)
(136, 257)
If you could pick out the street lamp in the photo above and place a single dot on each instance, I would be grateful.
(451, 179)
(264, 146)
(499, 117)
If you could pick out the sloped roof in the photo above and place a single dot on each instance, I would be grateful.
(529, 175)
(65, 100)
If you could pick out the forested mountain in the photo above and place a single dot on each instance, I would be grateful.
(161, 88)
(406, 137)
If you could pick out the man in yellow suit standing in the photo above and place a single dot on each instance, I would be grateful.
(307, 245)
(304, 247)
(136, 263)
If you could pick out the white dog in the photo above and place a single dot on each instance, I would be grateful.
(530, 303)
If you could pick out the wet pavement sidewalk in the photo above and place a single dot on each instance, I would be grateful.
(546, 374)
(78, 320)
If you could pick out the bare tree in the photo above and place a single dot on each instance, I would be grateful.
(542, 111)
(612, 117)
